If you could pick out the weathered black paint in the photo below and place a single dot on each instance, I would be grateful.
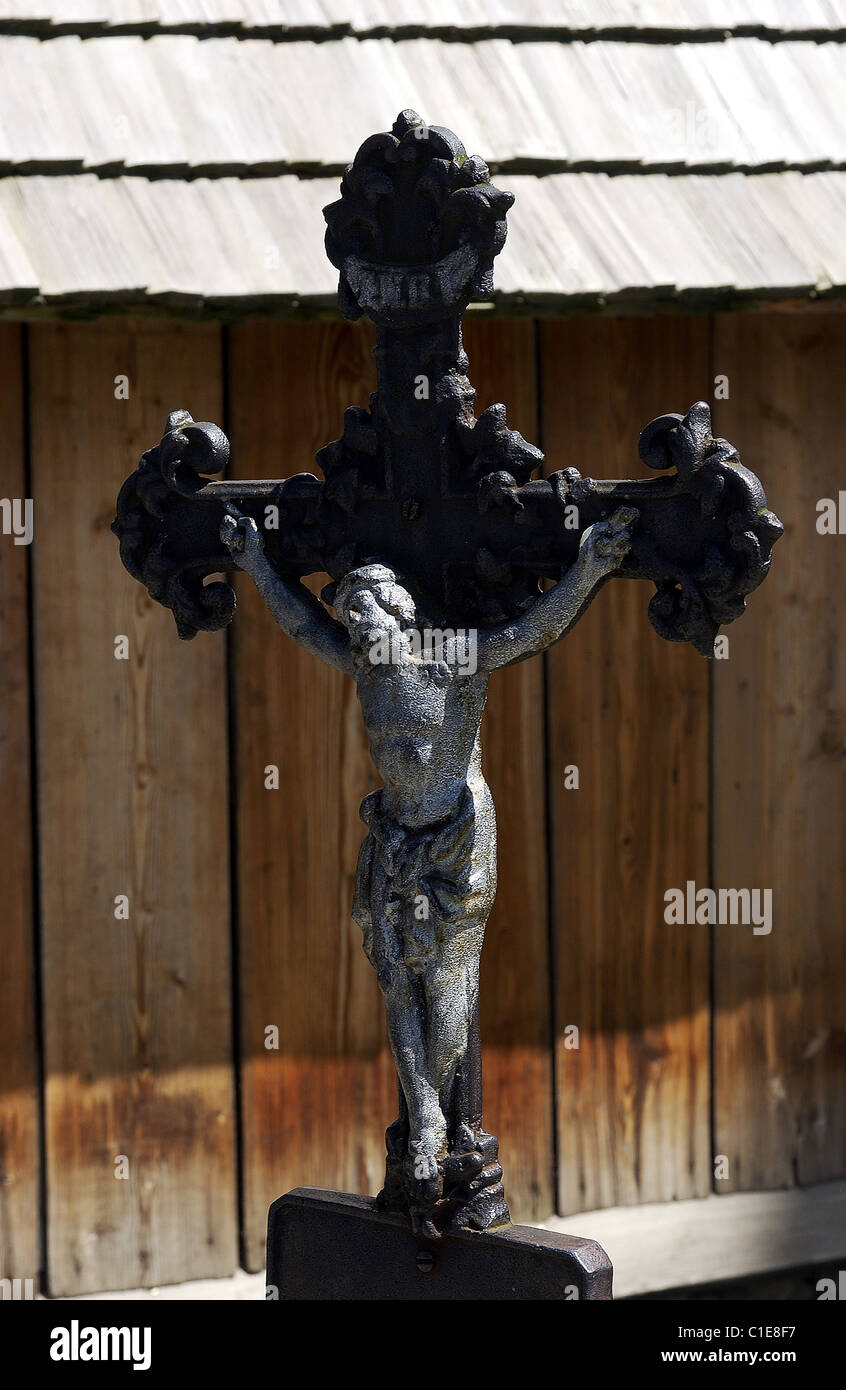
(335, 1246)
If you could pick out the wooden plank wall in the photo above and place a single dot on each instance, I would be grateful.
(132, 800)
(631, 713)
(20, 1171)
(780, 769)
(314, 1108)
(731, 774)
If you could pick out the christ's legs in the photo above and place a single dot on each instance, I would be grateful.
(472, 1177)
(441, 1165)
(407, 1031)
(452, 989)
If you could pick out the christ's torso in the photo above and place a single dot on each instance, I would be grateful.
(423, 723)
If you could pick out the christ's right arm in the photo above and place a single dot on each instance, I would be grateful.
(290, 603)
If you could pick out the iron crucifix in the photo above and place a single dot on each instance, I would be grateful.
(436, 538)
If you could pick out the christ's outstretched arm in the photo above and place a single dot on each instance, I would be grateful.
(601, 551)
(290, 604)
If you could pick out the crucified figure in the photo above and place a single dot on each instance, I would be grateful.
(426, 876)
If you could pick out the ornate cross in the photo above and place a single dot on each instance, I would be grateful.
(436, 539)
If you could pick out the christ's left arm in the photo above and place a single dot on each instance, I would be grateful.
(601, 552)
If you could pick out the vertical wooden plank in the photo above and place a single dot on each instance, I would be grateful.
(515, 989)
(631, 712)
(315, 1107)
(132, 801)
(779, 770)
(19, 1125)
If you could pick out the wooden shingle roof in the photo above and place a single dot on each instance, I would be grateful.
(179, 152)
(511, 18)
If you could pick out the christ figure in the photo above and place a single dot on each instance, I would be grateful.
(426, 876)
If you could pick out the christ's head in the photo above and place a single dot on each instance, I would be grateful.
(372, 603)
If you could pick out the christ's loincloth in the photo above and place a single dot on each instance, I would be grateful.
(417, 889)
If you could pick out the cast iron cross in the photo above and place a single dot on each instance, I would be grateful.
(426, 512)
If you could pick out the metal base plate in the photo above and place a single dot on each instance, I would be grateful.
(335, 1245)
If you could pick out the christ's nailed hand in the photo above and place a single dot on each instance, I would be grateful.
(242, 538)
(604, 545)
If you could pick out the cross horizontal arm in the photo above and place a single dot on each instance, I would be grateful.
(703, 534)
(169, 517)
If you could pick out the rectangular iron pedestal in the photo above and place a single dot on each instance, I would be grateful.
(335, 1245)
